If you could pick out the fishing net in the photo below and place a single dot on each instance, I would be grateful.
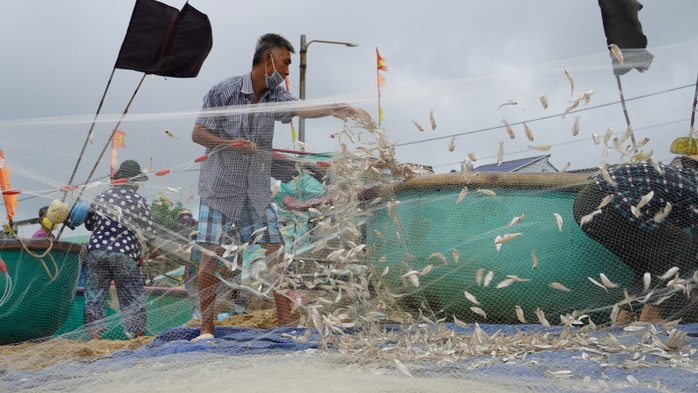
(436, 250)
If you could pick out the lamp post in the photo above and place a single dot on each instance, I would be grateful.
(303, 67)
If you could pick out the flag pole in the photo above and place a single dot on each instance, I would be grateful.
(625, 110)
(380, 66)
(380, 111)
(89, 133)
(693, 112)
(104, 149)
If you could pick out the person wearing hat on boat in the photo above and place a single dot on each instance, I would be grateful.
(640, 212)
(234, 179)
(186, 223)
(46, 226)
(120, 221)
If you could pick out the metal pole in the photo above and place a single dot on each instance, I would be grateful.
(301, 92)
(303, 67)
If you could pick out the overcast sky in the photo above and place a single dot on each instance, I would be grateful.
(460, 59)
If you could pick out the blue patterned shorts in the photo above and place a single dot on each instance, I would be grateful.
(217, 228)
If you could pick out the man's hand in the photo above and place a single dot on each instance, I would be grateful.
(344, 111)
(244, 146)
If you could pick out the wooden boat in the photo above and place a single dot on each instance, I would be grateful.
(430, 221)
(40, 284)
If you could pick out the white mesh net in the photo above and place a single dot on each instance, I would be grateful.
(401, 274)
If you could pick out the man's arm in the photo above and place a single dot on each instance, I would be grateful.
(204, 137)
(340, 111)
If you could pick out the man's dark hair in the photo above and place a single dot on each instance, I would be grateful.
(43, 211)
(270, 43)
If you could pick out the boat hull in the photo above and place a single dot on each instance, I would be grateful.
(165, 307)
(430, 221)
(42, 292)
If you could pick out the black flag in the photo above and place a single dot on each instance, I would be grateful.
(163, 41)
(623, 28)
(191, 45)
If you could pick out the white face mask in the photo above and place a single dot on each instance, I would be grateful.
(275, 79)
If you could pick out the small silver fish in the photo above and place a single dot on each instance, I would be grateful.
(535, 259)
(558, 220)
(617, 53)
(656, 166)
(540, 147)
(520, 314)
(558, 286)
(510, 131)
(517, 219)
(462, 194)
(570, 108)
(669, 273)
(452, 144)
(607, 136)
(487, 192)
(529, 133)
(509, 102)
(575, 127)
(419, 127)
(595, 138)
(479, 311)
(571, 80)
(605, 201)
(471, 297)
(598, 284)
(432, 120)
(587, 219)
(488, 278)
(645, 199)
(662, 214)
(606, 176)
(541, 318)
(544, 101)
(635, 211)
(508, 236)
(606, 282)
(646, 280)
(438, 256)
(478, 276)
(505, 283)
(472, 157)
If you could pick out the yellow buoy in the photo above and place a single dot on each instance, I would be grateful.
(58, 211)
(684, 145)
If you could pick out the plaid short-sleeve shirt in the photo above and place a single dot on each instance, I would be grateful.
(228, 178)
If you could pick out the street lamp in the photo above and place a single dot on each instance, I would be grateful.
(303, 66)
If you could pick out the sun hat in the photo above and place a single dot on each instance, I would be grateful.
(130, 169)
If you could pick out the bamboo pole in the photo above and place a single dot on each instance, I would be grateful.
(625, 111)
(104, 149)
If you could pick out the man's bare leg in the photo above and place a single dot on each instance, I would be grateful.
(207, 284)
(625, 317)
(283, 303)
(651, 314)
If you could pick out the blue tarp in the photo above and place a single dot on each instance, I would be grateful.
(174, 345)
